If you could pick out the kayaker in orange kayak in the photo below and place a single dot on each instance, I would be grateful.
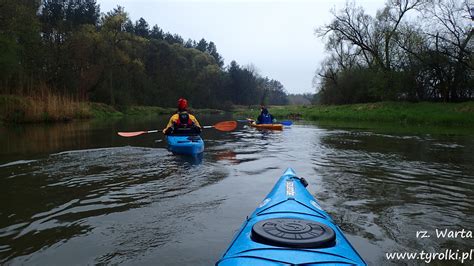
(265, 117)
(182, 122)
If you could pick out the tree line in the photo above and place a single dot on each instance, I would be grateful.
(415, 50)
(70, 47)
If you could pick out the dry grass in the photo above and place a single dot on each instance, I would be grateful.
(43, 105)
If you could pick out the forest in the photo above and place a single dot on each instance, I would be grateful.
(69, 47)
(412, 50)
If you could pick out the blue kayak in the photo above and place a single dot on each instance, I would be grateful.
(188, 145)
(287, 228)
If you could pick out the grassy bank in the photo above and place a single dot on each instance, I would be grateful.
(102, 110)
(400, 112)
(48, 107)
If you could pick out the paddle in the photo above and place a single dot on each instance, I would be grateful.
(221, 126)
(137, 133)
(224, 126)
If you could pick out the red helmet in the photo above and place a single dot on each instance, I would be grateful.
(182, 103)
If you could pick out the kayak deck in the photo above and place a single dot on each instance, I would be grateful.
(187, 145)
(289, 227)
(267, 126)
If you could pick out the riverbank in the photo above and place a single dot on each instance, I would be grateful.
(399, 112)
(54, 108)
(51, 108)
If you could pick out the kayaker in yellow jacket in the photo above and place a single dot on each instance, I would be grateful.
(182, 122)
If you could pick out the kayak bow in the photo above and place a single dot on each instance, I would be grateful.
(287, 228)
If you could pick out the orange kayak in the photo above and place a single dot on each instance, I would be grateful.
(267, 126)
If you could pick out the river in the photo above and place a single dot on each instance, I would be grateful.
(76, 193)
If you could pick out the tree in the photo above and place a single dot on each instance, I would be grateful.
(82, 12)
(451, 33)
(202, 45)
(20, 67)
(427, 57)
(173, 38)
(142, 28)
(114, 35)
(212, 50)
(157, 33)
(66, 46)
(352, 26)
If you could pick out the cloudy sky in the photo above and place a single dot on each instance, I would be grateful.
(276, 36)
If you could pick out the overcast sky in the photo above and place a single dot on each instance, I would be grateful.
(277, 37)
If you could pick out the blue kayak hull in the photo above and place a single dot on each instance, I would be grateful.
(289, 201)
(187, 145)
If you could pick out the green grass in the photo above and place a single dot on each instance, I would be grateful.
(207, 112)
(147, 110)
(155, 110)
(400, 112)
(102, 110)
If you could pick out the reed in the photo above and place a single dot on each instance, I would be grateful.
(41, 106)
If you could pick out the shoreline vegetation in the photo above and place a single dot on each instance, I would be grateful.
(50, 108)
(424, 113)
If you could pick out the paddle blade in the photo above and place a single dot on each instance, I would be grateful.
(286, 123)
(226, 125)
(131, 134)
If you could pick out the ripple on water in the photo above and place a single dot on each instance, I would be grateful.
(19, 162)
(401, 182)
(80, 185)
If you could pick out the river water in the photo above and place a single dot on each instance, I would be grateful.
(77, 193)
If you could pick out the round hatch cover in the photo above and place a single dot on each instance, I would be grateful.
(298, 233)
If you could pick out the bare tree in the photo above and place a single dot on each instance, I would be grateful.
(411, 49)
(450, 33)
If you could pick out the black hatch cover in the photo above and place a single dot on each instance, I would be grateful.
(296, 233)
